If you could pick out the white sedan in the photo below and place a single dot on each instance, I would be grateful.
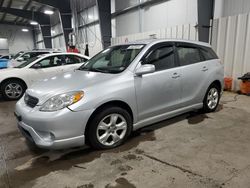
(14, 81)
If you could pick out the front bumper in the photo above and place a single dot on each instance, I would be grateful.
(52, 130)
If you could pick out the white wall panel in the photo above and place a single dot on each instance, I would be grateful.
(246, 66)
(186, 31)
(228, 40)
(239, 48)
(225, 8)
(158, 16)
(221, 42)
(231, 40)
(17, 39)
(127, 24)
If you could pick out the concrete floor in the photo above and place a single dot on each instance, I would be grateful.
(192, 150)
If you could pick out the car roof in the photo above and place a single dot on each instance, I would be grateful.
(63, 53)
(155, 41)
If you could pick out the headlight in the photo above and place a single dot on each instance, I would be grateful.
(61, 101)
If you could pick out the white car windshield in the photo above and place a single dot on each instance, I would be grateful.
(29, 61)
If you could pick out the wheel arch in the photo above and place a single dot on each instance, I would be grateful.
(117, 103)
(218, 83)
(14, 78)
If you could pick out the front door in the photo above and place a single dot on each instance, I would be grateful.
(159, 92)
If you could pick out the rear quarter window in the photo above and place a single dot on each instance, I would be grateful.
(208, 54)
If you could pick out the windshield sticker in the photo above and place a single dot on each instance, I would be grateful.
(135, 47)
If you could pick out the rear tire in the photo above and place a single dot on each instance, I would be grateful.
(212, 98)
(13, 89)
(109, 128)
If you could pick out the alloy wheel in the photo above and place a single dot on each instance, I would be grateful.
(212, 98)
(111, 129)
(13, 90)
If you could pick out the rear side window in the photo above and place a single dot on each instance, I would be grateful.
(162, 58)
(188, 55)
(52, 61)
(72, 59)
(208, 54)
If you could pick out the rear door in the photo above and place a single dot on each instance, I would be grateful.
(72, 62)
(194, 71)
(159, 92)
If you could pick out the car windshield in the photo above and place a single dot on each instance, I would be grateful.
(17, 55)
(28, 62)
(114, 59)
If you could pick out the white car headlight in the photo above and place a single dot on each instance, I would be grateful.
(61, 101)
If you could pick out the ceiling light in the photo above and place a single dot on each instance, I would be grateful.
(48, 12)
(53, 31)
(25, 30)
(33, 23)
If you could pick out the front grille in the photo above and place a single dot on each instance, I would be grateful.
(30, 101)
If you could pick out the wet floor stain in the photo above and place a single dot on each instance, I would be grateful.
(132, 157)
(90, 185)
(121, 183)
(195, 118)
(115, 162)
(44, 162)
(125, 168)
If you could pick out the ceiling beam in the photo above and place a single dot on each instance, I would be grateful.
(26, 6)
(62, 5)
(41, 18)
(12, 23)
(27, 14)
(8, 6)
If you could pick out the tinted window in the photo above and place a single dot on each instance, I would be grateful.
(72, 59)
(208, 54)
(188, 55)
(52, 61)
(162, 58)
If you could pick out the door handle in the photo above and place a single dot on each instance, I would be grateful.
(204, 69)
(176, 75)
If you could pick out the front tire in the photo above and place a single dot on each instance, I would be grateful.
(212, 98)
(109, 128)
(12, 89)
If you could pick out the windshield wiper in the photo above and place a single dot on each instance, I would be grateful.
(93, 70)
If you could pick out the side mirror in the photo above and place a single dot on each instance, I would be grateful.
(37, 66)
(145, 69)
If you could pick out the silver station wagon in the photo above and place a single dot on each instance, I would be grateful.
(121, 89)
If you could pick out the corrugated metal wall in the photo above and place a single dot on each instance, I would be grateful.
(186, 31)
(231, 40)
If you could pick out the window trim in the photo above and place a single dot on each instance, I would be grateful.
(209, 50)
(157, 46)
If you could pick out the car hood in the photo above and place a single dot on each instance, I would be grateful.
(71, 81)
